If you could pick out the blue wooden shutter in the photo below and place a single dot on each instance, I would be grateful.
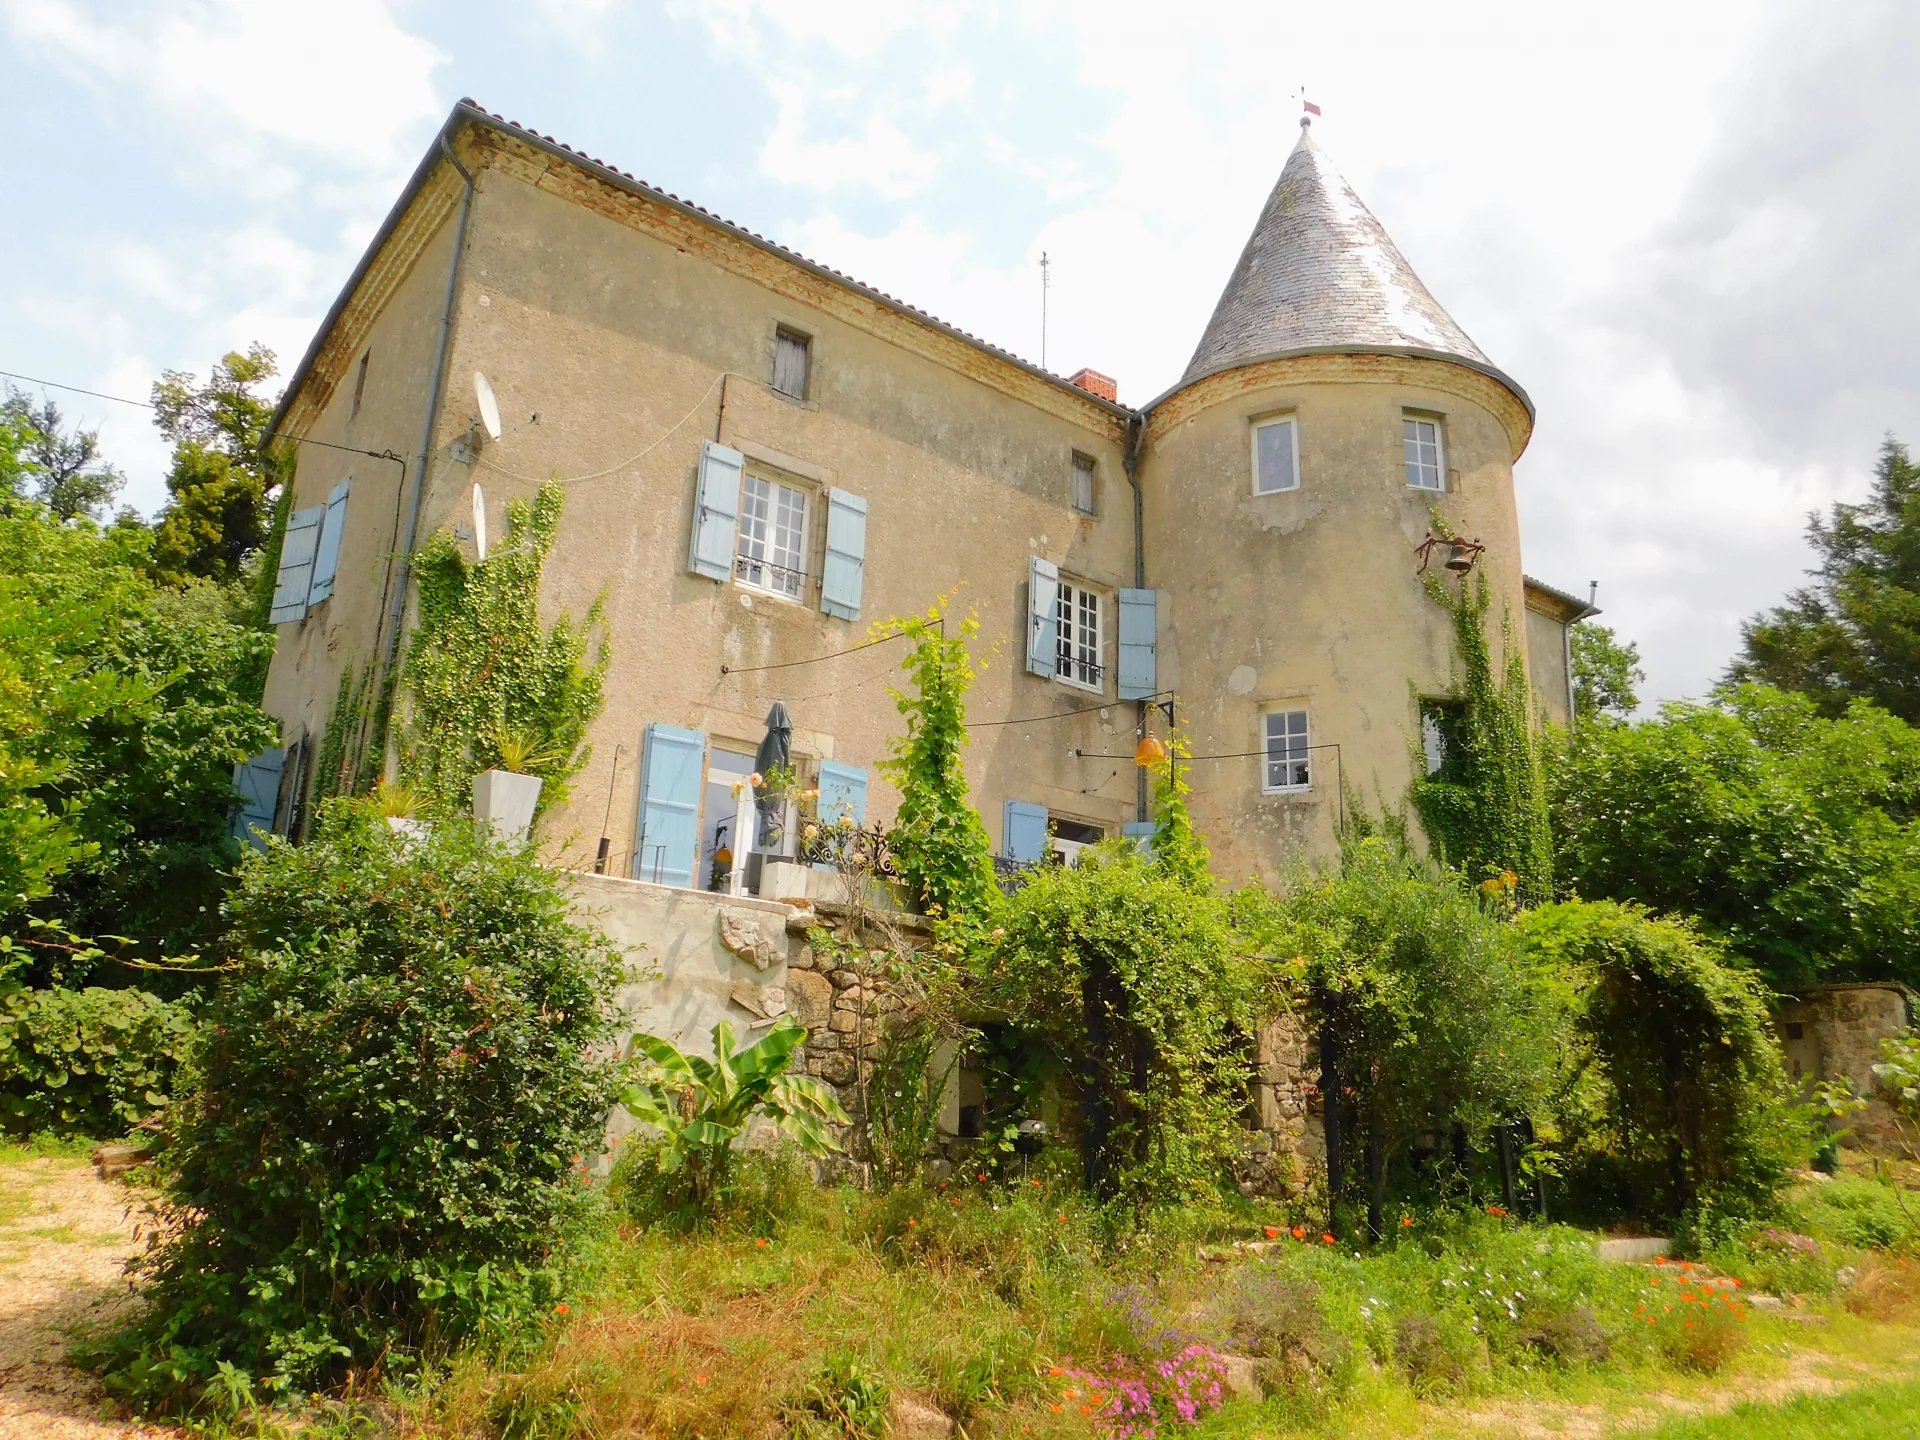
(295, 579)
(843, 791)
(1141, 833)
(667, 842)
(1023, 838)
(716, 510)
(1043, 617)
(326, 560)
(1139, 639)
(257, 782)
(846, 555)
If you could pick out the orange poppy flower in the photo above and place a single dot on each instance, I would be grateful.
(1273, 1232)
(562, 1308)
(1326, 1239)
(1299, 1232)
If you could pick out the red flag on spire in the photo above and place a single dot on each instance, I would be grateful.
(1310, 107)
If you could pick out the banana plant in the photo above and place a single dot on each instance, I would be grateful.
(702, 1106)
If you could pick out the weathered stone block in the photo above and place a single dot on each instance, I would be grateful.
(844, 1021)
(810, 998)
(743, 934)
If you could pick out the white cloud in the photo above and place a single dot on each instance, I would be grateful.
(879, 157)
(249, 81)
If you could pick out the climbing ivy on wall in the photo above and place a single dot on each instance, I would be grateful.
(1485, 811)
(484, 680)
(348, 762)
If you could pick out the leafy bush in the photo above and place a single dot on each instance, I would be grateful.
(1437, 1016)
(1854, 1210)
(1788, 834)
(1280, 1319)
(1133, 978)
(703, 1107)
(381, 1154)
(1436, 1357)
(122, 711)
(1566, 1334)
(1694, 1097)
(89, 1062)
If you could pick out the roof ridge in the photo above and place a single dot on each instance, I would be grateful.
(893, 301)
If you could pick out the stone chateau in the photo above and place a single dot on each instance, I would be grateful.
(763, 456)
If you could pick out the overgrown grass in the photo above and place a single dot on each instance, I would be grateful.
(1872, 1412)
(1013, 1308)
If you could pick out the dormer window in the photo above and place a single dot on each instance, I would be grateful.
(1425, 452)
(1276, 455)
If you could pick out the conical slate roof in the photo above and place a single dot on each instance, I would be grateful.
(1319, 273)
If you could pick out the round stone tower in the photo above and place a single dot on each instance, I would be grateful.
(1330, 413)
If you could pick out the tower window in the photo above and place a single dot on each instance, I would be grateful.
(1287, 752)
(1426, 457)
(791, 353)
(1086, 494)
(1276, 456)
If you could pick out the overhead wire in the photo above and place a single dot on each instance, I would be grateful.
(619, 465)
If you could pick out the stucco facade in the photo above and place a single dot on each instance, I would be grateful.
(629, 338)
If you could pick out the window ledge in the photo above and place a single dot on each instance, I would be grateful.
(1292, 792)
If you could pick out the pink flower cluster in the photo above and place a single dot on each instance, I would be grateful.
(1130, 1400)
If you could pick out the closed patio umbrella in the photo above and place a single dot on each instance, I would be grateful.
(775, 753)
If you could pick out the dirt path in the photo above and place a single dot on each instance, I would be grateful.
(63, 1238)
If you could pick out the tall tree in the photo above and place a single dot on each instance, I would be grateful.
(15, 464)
(1606, 674)
(69, 476)
(1855, 632)
(221, 482)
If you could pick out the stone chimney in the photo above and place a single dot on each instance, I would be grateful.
(1094, 383)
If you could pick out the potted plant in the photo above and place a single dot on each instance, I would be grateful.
(506, 796)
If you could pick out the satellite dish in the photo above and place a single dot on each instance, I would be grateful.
(489, 407)
(479, 518)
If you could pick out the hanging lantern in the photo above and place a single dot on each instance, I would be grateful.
(1149, 753)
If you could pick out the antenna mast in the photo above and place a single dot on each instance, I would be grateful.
(1044, 281)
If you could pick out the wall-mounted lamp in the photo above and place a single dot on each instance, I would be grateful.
(1150, 752)
(1456, 556)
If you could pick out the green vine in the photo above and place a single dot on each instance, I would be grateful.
(1485, 811)
(1177, 847)
(348, 761)
(938, 838)
(484, 679)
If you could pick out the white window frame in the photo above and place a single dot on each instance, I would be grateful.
(1413, 468)
(1267, 422)
(1290, 755)
(1068, 851)
(1084, 464)
(795, 587)
(1072, 650)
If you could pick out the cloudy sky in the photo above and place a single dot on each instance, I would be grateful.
(1689, 229)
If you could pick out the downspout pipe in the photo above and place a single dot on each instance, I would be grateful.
(398, 612)
(1130, 460)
